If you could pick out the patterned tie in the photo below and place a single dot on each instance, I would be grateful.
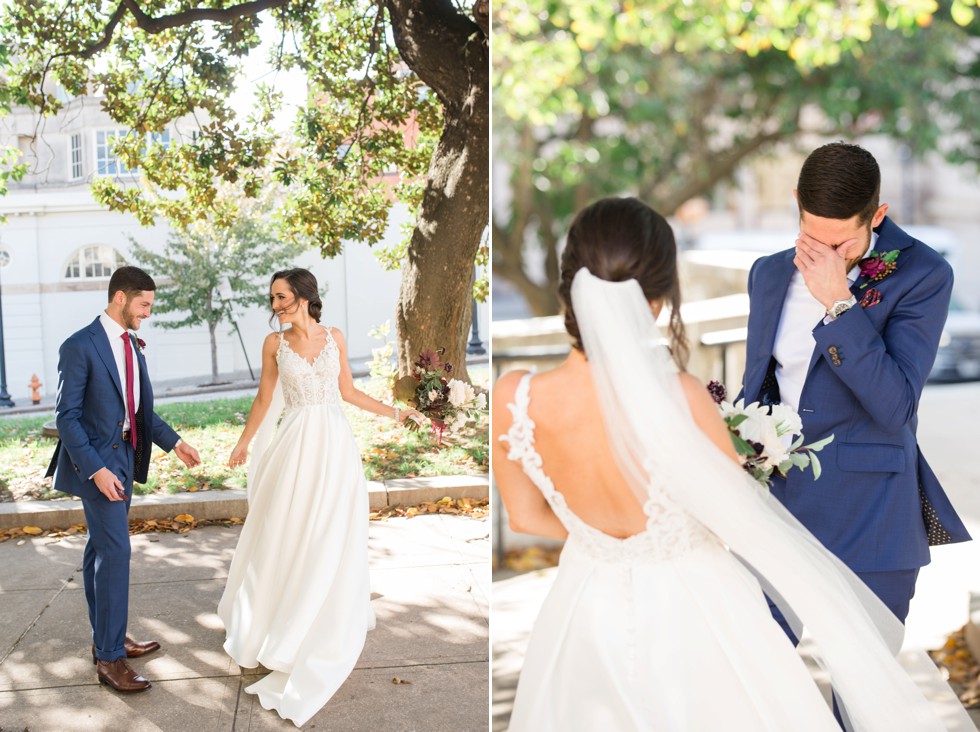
(130, 399)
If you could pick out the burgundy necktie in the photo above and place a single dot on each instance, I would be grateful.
(130, 399)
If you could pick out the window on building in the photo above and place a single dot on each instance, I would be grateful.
(76, 156)
(106, 162)
(93, 262)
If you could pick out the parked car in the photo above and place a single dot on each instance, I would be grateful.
(958, 358)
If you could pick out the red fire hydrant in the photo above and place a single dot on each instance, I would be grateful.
(35, 385)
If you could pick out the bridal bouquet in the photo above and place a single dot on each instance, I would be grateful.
(448, 402)
(763, 437)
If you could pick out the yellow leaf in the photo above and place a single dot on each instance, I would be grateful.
(184, 518)
(445, 501)
(33, 530)
(191, 489)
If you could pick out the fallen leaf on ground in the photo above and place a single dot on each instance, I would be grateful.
(961, 668)
(472, 507)
(528, 559)
(397, 680)
(33, 530)
(184, 518)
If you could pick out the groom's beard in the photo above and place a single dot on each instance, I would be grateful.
(864, 250)
(129, 318)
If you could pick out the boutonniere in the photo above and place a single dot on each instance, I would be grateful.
(878, 266)
(870, 298)
(140, 344)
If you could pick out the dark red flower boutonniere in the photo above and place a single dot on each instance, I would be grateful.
(140, 344)
(870, 298)
(878, 266)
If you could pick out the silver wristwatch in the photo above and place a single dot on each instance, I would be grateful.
(841, 306)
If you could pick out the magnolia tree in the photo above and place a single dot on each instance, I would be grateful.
(393, 85)
(665, 99)
(207, 270)
(11, 169)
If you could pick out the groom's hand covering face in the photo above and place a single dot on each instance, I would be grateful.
(825, 250)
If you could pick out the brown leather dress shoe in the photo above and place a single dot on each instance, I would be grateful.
(133, 649)
(121, 677)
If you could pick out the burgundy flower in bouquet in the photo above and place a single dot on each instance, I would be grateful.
(449, 403)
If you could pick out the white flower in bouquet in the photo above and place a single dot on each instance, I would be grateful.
(460, 393)
(481, 400)
(764, 428)
(763, 436)
(788, 422)
(433, 395)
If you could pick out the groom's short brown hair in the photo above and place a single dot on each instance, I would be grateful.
(131, 280)
(838, 181)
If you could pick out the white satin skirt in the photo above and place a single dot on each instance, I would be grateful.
(297, 599)
(678, 645)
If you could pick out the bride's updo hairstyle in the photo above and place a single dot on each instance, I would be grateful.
(619, 239)
(302, 284)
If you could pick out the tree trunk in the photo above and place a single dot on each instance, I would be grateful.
(212, 318)
(450, 53)
(435, 304)
(212, 326)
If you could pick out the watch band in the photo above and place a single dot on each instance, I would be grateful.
(841, 306)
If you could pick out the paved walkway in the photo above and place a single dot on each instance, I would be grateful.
(430, 583)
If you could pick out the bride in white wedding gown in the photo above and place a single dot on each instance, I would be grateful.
(297, 599)
(656, 619)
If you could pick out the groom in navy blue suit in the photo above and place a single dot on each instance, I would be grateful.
(844, 328)
(107, 428)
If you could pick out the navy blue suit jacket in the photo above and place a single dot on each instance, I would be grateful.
(90, 412)
(878, 504)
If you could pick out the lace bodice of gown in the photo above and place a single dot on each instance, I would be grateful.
(670, 531)
(305, 384)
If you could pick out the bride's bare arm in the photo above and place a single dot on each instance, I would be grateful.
(706, 415)
(527, 510)
(267, 384)
(352, 395)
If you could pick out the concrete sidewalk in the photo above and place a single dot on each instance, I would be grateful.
(430, 579)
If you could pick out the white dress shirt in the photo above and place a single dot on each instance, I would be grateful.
(115, 331)
(794, 344)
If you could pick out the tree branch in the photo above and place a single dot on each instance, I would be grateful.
(187, 17)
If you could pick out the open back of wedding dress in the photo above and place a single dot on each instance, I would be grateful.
(668, 629)
(298, 593)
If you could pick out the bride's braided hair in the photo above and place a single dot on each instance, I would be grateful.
(303, 285)
(619, 239)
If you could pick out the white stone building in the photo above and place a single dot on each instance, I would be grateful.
(59, 247)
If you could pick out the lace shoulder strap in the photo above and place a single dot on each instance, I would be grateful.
(330, 339)
(520, 438)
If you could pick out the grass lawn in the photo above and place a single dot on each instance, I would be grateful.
(388, 450)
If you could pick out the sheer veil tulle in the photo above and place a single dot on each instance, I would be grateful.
(659, 448)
